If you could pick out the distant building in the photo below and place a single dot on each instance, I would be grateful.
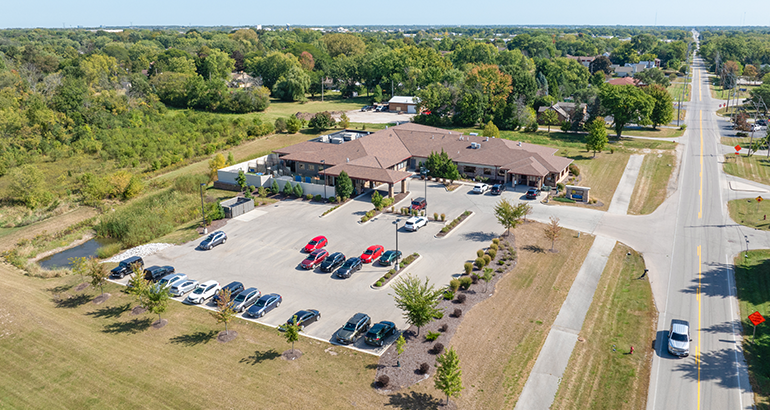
(403, 104)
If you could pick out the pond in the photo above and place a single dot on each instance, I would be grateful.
(61, 260)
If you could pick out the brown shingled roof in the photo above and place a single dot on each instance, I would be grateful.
(387, 176)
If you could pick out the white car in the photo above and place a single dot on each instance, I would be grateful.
(171, 280)
(480, 188)
(203, 292)
(416, 222)
(182, 287)
(679, 338)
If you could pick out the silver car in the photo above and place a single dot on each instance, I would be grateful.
(679, 338)
(182, 287)
(245, 299)
(171, 280)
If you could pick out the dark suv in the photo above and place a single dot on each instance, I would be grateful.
(235, 289)
(155, 273)
(356, 326)
(332, 262)
(419, 203)
(497, 189)
(124, 268)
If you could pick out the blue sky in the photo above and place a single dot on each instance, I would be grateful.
(92, 13)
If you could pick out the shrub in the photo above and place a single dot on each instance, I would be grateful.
(288, 189)
(574, 170)
(435, 216)
(424, 368)
(443, 328)
(379, 283)
(501, 262)
(318, 198)
(280, 125)
(461, 298)
(560, 187)
(431, 336)
(444, 230)
(108, 250)
(454, 284)
(457, 313)
(468, 268)
(496, 241)
(492, 253)
(449, 294)
(474, 279)
(388, 275)
(383, 381)
(364, 218)
(612, 150)
(480, 253)
(309, 197)
(443, 217)
(493, 246)
(298, 191)
(479, 263)
(392, 272)
(438, 348)
(438, 315)
(487, 259)
(465, 282)
(262, 192)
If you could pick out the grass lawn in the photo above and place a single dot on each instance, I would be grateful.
(754, 168)
(11, 236)
(647, 132)
(500, 338)
(719, 93)
(675, 91)
(750, 213)
(622, 315)
(753, 286)
(651, 185)
(75, 354)
(332, 102)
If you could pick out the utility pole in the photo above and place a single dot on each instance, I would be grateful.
(322, 88)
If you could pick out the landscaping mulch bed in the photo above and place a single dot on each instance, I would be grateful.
(396, 199)
(291, 354)
(398, 272)
(229, 336)
(418, 350)
(463, 216)
(159, 323)
(138, 310)
(82, 286)
(101, 298)
(215, 225)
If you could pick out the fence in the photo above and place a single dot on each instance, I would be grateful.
(237, 206)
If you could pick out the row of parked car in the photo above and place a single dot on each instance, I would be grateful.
(329, 262)
(498, 189)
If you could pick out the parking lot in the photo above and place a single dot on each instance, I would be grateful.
(263, 250)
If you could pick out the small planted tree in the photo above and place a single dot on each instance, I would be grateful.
(224, 313)
(343, 185)
(344, 121)
(448, 376)
(274, 188)
(288, 189)
(552, 231)
(138, 285)
(97, 273)
(486, 277)
(79, 266)
(298, 191)
(400, 343)
(291, 332)
(376, 200)
(509, 215)
(417, 300)
(241, 180)
(549, 117)
(596, 139)
(156, 300)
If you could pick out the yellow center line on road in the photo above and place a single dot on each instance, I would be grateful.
(697, 350)
(700, 191)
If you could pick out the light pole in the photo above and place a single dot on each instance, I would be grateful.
(203, 212)
(323, 162)
(425, 173)
(396, 223)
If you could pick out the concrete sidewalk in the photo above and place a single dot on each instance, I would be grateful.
(543, 381)
(625, 189)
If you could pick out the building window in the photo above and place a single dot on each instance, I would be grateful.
(469, 170)
(487, 171)
(301, 166)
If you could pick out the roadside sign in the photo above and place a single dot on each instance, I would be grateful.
(737, 147)
(756, 318)
(759, 199)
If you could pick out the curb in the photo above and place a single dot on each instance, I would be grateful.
(456, 227)
(392, 279)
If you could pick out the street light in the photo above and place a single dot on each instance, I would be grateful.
(323, 162)
(203, 212)
(425, 173)
(396, 223)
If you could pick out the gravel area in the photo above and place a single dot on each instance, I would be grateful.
(141, 250)
(418, 350)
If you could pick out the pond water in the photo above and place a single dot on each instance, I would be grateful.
(86, 249)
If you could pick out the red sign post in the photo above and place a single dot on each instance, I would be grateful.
(755, 318)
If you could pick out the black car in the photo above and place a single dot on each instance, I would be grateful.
(389, 257)
(497, 189)
(532, 193)
(214, 239)
(265, 304)
(235, 289)
(378, 333)
(354, 328)
(304, 318)
(762, 123)
(124, 267)
(332, 262)
(351, 265)
(155, 273)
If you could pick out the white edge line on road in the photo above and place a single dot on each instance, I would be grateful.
(730, 285)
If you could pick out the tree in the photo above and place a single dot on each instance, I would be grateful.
(274, 187)
(343, 185)
(400, 343)
(241, 180)
(280, 125)
(377, 94)
(344, 121)
(293, 124)
(322, 121)
(298, 191)
(343, 44)
(79, 266)
(596, 139)
(288, 189)
(157, 298)
(491, 130)
(600, 64)
(307, 61)
(509, 215)
(448, 376)
(552, 231)
(137, 284)
(216, 65)
(441, 166)
(663, 108)
(492, 83)
(28, 186)
(549, 117)
(627, 104)
(417, 300)
(215, 164)
(224, 313)
(487, 277)
(292, 85)
(291, 332)
(376, 199)
(98, 273)
(653, 76)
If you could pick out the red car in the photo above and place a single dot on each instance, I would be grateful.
(315, 258)
(316, 243)
(371, 253)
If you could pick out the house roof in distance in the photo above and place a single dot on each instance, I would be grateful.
(404, 100)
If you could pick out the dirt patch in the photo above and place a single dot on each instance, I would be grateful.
(418, 350)
(291, 354)
(101, 298)
(229, 336)
(82, 287)
(307, 116)
(159, 323)
(138, 310)
(213, 226)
